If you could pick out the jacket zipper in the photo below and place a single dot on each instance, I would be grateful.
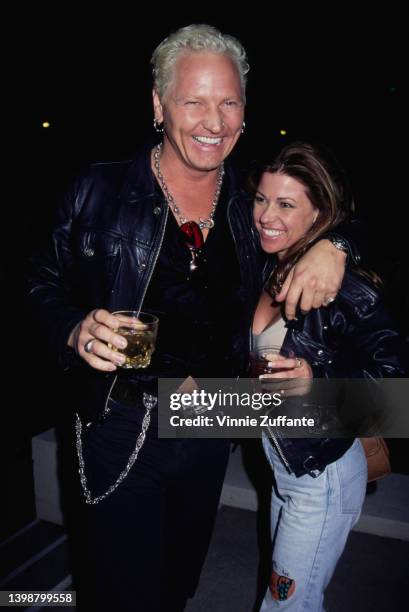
(232, 233)
(278, 449)
(238, 258)
(272, 435)
(155, 260)
(106, 409)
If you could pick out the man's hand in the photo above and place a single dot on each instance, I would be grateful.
(315, 279)
(90, 339)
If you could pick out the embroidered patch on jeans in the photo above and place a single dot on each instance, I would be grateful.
(281, 587)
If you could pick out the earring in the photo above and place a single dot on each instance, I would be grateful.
(243, 127)
(158, 127)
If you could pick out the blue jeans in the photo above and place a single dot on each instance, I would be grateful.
(310, 522)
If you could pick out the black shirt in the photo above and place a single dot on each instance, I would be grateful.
(195, 334)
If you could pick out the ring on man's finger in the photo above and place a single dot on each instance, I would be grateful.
(328, 301)
(88, 345)
(299, 362)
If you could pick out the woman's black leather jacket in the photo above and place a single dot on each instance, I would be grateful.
(353, 338)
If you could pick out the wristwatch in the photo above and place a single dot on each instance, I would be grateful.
(339, 243)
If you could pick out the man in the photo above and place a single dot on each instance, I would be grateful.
(119, 243)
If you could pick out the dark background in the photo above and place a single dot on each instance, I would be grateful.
(333, 75)
(327, 73)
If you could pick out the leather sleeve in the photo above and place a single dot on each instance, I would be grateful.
(370, 344)
(352, 233)
(51, 299)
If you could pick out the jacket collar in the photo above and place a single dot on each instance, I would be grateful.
(139, 182)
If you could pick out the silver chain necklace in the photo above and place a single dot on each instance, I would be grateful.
(203, 223)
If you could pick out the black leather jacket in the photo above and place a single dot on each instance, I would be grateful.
(105, 244)
(352, 338)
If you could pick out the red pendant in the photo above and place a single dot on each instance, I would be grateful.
(193, 235)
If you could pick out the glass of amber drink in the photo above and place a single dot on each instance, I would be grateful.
(139, 330)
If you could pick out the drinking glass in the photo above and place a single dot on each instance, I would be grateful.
(140, 330)
(266, 359)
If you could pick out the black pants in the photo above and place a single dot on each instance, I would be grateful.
(145, 544)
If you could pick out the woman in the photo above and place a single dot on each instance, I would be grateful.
(320, 484)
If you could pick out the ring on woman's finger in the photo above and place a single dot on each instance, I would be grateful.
(327, 301)
(88, 345)
(299, 362)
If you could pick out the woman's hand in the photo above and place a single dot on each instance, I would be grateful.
(293, 376)
(90, 339)
(315, 279)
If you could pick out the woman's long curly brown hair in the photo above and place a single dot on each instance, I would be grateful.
(326, 187)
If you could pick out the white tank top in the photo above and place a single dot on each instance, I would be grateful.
(271, 336)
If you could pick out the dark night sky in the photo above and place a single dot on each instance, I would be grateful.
(328, 75)
(333, 75)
